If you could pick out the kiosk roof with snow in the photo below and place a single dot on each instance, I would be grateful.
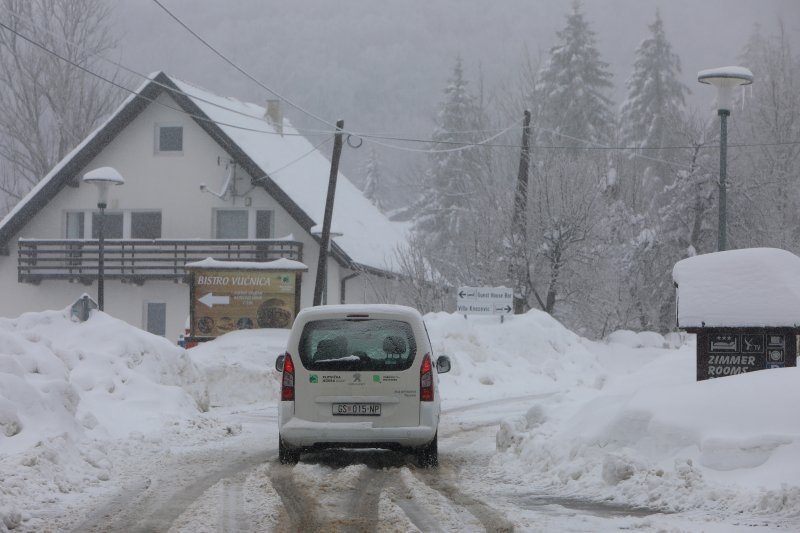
(755, 287)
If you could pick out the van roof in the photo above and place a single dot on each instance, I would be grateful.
(336, 311)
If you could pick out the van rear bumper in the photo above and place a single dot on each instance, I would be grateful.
(353, 435)
(298, 433)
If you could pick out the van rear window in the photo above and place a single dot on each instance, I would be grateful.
(357, 344)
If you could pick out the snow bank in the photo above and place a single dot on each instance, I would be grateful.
(101, 377)
(239, 367)
(67, 388)
(530, 353)
(654, 437)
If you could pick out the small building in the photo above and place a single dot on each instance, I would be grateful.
(744, 307)
(205, 176)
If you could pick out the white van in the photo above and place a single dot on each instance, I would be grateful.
(359, 376)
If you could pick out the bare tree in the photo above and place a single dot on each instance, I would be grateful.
(47, 105)
(419, 284)
(565, 214)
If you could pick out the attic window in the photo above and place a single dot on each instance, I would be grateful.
(169, 139)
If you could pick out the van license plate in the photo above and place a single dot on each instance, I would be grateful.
(357, 409)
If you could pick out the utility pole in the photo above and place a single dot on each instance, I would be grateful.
(322, 270)
(519, 224)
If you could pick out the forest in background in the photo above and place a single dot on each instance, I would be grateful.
(616, 195)
(622, 181)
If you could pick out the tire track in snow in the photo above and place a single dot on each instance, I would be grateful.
(168, 494)
(232, 503)
(443, 482)
(300, 507)
(365, 501)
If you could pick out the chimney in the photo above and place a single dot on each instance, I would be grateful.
(274, 115)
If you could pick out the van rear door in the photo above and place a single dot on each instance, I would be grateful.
(358, 370)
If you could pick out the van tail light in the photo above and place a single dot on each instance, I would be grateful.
(287, 384)
(426, 380)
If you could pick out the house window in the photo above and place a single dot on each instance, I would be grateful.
(155, 318)
(112, 226)
(146, 225)
(263, 224)
(75, 225)
(231, 224)
(169, 138)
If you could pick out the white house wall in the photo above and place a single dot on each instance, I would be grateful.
(170, 183)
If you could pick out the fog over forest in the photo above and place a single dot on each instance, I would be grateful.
(382, 66)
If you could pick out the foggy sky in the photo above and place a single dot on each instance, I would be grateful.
(382, 65)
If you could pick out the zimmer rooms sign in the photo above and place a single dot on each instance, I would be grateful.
(737, 351)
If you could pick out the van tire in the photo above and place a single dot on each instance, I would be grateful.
(428, 455)
(287, 456)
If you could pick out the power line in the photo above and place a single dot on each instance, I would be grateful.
(370, 137)
(463, 145)
(269, 89)
(293, 161)
(152, 100)
(304, 131)
(240, 69)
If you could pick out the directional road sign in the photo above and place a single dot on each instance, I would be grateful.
(485, 300)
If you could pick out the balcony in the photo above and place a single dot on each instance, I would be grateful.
(138, 260)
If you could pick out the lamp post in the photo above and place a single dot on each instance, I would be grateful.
(724, 79)
(103, 178)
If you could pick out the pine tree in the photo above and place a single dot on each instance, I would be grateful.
(655, 101)
(455, 178)
(655, 94)
(571, 105)
(372, 181)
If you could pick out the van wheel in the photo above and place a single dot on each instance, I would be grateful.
(287, 456)
(428, 455)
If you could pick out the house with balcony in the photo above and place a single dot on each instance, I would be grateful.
(205, 176)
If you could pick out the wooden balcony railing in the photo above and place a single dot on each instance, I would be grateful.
(138, 260)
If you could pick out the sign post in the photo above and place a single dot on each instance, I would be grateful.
(485, 301)
(230, 295)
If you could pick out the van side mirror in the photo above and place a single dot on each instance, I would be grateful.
(443, 364)
(279, 363)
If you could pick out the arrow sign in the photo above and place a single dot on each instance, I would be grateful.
(484, 300)
(209, 300)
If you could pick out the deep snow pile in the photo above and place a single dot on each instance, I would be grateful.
(239, 367)
(530, 354)
(67, 388)
(653, 437)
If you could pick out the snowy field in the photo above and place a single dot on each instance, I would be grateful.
(83, 406)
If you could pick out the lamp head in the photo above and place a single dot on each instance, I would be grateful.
(725, 79)
(103, 178)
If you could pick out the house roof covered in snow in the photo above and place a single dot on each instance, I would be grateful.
(287, 166)
(754, 287)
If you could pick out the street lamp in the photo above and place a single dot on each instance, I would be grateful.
(103, 178)
(724, 79)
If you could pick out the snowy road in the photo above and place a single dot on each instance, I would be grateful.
(236, 484)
